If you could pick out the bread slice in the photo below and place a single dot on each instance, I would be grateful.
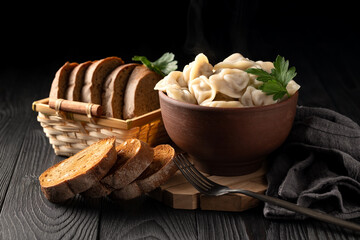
(95, 76)
(76, 80)
(60, 82)
(140, 96)
(114, 88)
(78, 173)
(159, 171)
(133, 157)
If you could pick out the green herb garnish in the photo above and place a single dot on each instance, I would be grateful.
(275, 83)
(163, 66)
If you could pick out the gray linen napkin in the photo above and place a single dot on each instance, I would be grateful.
(318, 166)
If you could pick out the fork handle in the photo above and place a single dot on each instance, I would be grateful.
(303, 210)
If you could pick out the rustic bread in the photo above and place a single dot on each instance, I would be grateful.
(114, 89)
(159, 171)
(76, 80)
(140, 96)
(133, 157)
(98, 190)
(95, 76)
(80, 172)
(60, 82)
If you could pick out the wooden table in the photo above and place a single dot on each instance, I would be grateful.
(25, 153)
(329, 78)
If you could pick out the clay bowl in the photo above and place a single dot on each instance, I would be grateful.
(227, 141)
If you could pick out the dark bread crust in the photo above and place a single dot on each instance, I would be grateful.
(98, 190)
(130, 191)
(166, 154)
(114, 88)
(82, 180)
(127, 171)
(134, 156)
(95, 76)
(160, 170)
(60, 82)
(76, 80)
(140, 96)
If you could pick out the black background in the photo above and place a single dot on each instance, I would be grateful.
(39, 38)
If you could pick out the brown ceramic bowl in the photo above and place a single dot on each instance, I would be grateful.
(227, 141)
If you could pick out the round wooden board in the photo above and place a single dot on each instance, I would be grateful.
(178, 193)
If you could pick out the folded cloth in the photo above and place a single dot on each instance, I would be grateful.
(318, 166)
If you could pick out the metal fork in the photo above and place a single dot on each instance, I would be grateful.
(208, 187)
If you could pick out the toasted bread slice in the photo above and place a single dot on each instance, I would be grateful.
(60, 82)
(159, 171)
(95, 76)
(80, 172)
(98, 190)
(114, 89)
(133, 157)
(76, 81)
(140, 96)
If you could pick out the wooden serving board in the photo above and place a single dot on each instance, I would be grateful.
(178, 193)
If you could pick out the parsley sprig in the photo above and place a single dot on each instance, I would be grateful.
(275, 83)
(163, 66)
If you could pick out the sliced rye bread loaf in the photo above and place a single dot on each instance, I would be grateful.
(60, 82)
(78, 173)
(114, 89)
(159, 171)
(95, 76)
(133, 157)
(140, 96)
(76, 80)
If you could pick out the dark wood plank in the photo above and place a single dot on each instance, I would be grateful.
(15, 114)
(27, 214)
(255, 223)
(145, 218)
(307, 229)
(220, 225)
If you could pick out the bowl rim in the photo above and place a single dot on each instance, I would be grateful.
(192, 106)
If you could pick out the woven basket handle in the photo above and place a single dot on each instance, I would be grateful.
(89, 109)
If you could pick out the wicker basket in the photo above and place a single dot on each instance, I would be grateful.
(69, 133)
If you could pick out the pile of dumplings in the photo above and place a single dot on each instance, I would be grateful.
(224, 85)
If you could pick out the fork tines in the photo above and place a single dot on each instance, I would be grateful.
(197, 179)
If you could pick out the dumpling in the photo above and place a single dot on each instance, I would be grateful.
(225, 104)
(187, 70)
(230, 82)
(199, 67)
(255, 97)
(254, 82)
(260, 98)
(202, 89)
(246, 98)
(181, 94)
(235, 60)
(174, 78)
(224, 85)
(175, 87)
(292, 87)
(266, 66)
